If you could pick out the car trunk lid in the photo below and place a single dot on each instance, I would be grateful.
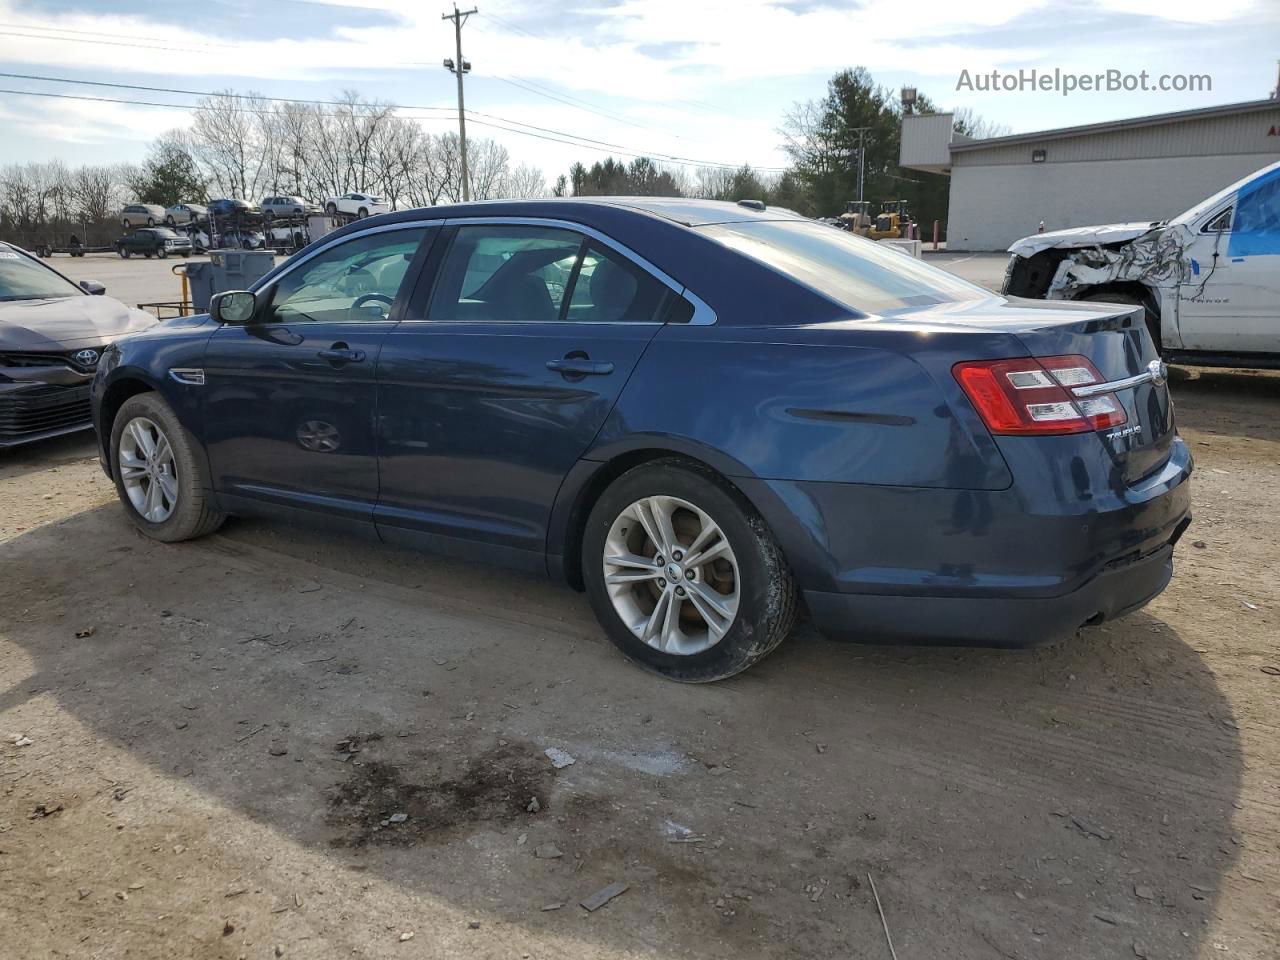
(1116, 341)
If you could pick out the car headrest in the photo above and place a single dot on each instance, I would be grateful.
(613, 290)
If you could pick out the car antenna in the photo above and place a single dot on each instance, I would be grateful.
(752, 204)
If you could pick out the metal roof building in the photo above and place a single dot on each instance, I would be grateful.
(1148, 168)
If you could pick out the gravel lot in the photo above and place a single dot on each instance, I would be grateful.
(222, 731)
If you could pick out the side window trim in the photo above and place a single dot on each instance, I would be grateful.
(566, 296)
(703, 315)
(1213, 218)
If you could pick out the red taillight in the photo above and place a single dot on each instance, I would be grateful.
(1032, 395)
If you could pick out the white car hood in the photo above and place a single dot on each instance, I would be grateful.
(1081, 237)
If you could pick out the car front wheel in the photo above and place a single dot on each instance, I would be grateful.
(156, 473)
(684, 575)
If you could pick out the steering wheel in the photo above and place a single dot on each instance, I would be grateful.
(370, 298)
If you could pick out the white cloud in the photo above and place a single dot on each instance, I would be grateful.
(642, 60)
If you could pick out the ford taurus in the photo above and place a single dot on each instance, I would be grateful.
(709, 416)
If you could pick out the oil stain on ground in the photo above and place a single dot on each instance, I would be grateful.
(420, 799)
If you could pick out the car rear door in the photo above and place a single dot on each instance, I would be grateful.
(490, 390)
(290, 398)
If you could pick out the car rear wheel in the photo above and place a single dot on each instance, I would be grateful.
(363, 212)
(125, 224)
(331, 208)
(151, 221)
(156, 473)
(684, 575)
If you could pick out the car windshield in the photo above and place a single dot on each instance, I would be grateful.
(22, 278)
(859, 273)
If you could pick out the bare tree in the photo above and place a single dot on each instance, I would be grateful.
(524, 183)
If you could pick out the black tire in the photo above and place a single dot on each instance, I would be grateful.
(194, 514)
(151, 221)
(766, 590)
(125, 253)
(331, 208)
(162, 253)
(362, 212)
(1153, 322)
(125, 224)
(171, 221)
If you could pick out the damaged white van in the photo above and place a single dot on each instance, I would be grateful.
(1209, 280)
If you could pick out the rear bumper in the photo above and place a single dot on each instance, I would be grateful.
(989, 567)
(993, 621)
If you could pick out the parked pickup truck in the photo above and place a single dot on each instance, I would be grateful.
(1208, 280)
(154, 242)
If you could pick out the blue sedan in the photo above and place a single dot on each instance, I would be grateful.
(709, 416)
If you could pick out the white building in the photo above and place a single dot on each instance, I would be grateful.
(1149, 168)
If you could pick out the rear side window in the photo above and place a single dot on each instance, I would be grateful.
(528, 274)
(612, 289)
(859, 273)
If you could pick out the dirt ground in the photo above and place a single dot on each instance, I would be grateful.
(224, 735)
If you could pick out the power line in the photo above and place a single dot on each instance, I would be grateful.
(99, 33)
(697, 104)
(558, 99)
(109, 43)
(531, 130)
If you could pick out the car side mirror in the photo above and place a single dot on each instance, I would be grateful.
(93, 287)
(233, 306)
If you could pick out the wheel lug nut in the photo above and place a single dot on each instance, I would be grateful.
(658, 560)
(680, 591)
(662, 583)
(677, 556)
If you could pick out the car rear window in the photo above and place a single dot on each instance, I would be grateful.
(859, 273)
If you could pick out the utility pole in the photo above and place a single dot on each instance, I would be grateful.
(862, 154)
(458, 68)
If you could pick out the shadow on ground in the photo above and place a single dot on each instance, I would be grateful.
(1066, 802)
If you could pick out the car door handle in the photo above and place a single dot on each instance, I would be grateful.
(341, 354)
(578, 367)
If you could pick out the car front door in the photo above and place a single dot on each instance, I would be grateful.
(490, 391)
(1227, 302)
(290, 396)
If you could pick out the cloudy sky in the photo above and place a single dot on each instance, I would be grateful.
(707, 80)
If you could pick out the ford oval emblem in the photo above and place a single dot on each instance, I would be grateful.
(1159, 372)
(86, 358)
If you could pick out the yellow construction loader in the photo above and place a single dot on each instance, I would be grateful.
(893, 221)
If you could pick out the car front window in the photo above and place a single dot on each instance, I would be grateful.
(356, 280)
(21, 278)
(859, 273)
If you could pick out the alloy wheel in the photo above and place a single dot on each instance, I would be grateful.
(671, 575)
(148, 470)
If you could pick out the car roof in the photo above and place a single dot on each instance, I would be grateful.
(686, 211)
